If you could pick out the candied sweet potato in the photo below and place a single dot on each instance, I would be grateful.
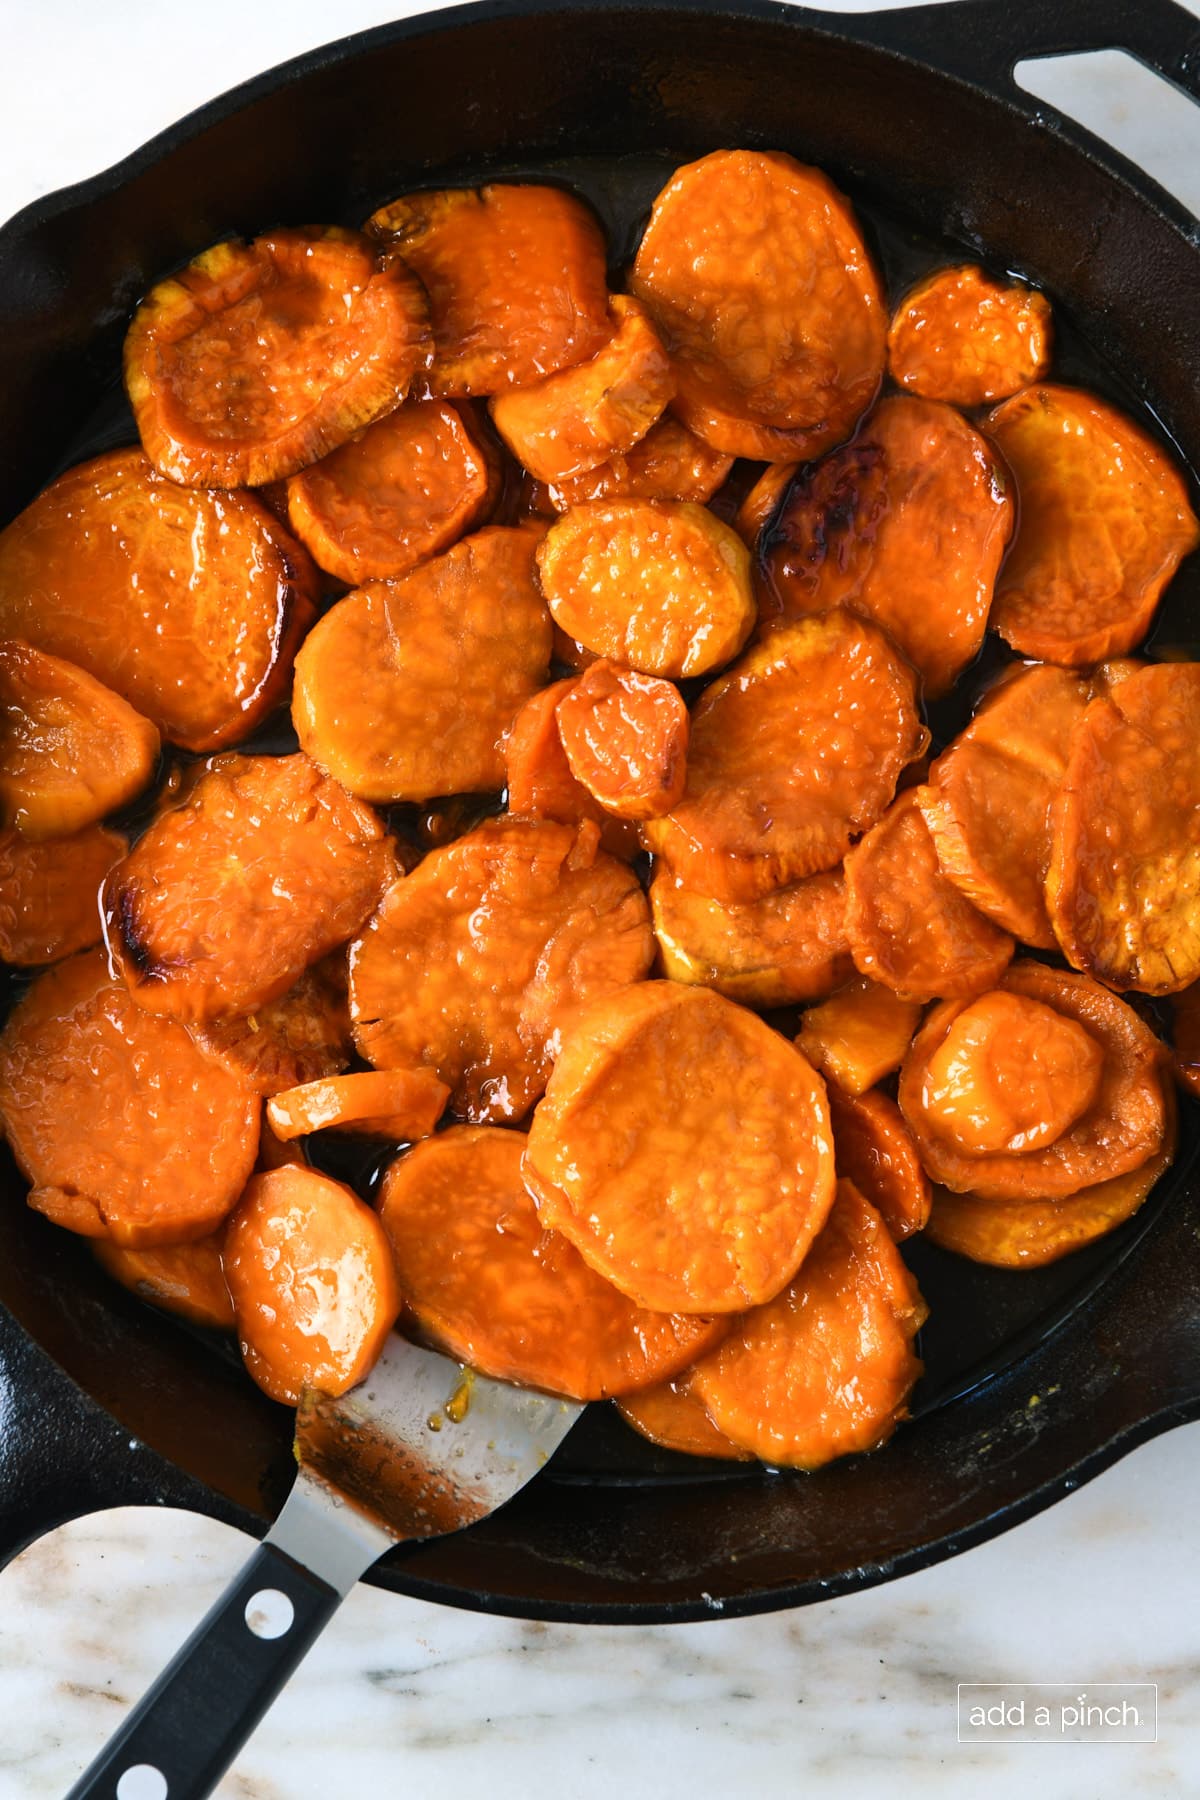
(962, 336)
(660, 585)
(669, 463)
(228, 898)
(625, 738)
(762, 502)
(186, 603)
(50, 893)
(860, 1034)
(475, 963)
(788, 946)
(516, 279)
(181, 1278)
(301, 1036)
(684, 1148)
(1104, 523)
(793, 751)
(259, 358)
(407, 689)
(539, 781)
(126, 1130)
(907, 524)
(875, 1150)
(400, 1103)
(671, 1415)
(755, 272)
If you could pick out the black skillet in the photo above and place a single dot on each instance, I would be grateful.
(1035, 1381)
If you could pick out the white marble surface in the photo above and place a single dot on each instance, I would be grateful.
(857, 1695)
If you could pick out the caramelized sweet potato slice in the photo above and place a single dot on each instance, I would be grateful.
(962, 336)
(662, 586)
(908, 525)
(669, 463)
(875, 1150)
(476, 962)
(793, 751)
(671, 1415)
(753, 268)
(1123, 883)
(859, 1035)
(788, 946)
(1185, 1037)
(126, 1130)
(312, 1283)
(188, 604)
(485, 1283)
(301, 1036)
(228, 898)
(259, 358)
(539, 780)
(684, 1148)
(762, 502)
(407, 689)
(50, 893)
(401, 1103)
(1105, 521)
(516, 280)
(826, 1368)
(625, 738)
(181, 1278)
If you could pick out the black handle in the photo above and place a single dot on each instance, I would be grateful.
(191, 1724)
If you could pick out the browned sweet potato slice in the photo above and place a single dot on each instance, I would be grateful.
(124, 1127)
(960, 335)
(301, 1036)
(181, 1278)
(1185, 1036)
(684, 1148)
(669, 463)
(760, 505)
(1123, 884)
(50, 893)
(909, 927)
(188, 604)
(407, 689)
(476, 962)
(539, 779)
(1005, 1102)
(859, 1035)
(753, 268)
(659, 585)
(788, 946)
(516, 280)
(792, 752)
(672, 1416)
(1104, 523)
(259, 358)
(399, 1103)
(907, 524)
(227, 899)
(625, 737)
(826, 1368)
(875, 1150)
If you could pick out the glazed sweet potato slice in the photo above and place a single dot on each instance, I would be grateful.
(485, 1283)
(684, 1148)
(477, 961)
(859, 1035)
(908, 525)
(671, 1415)
(909, 928)
(187, 604)
(786, 947)
(516, 280)
(661, 586)
(1105, 521)
(827, 1367)
(1006, 1101)
(400, 1103)
(301, 1036)
(669, 463)
(875, 1150)
(625, 738)
(312, 1283)
(538, 776)
(259, 358)
(793, 751)
(1123, 883)
(186, 1279)
(406, 690)
(762, 502)
(402, 491)
(50, 893)
(228, 898)
(965, 337)
(125, 1129)
(753, 268)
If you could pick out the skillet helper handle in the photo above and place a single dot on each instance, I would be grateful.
(184, 1733)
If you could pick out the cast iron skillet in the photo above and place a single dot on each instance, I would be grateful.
(1036, 1381)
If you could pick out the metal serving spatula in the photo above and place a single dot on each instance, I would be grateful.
(421, 1448)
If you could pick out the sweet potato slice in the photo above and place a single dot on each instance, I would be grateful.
(402, 1103)
(1004, 1084)
(50, 893)
(477, 961)
(826, 1368)
(788, 946)
(659, 585)
(485, 1283)
(860, 1034)
(1123, 883)
(539, 780)
(181, 1278)
(669, 463)
(407, 689)
(1105, 521)
(123, 1126)
(684, 1148)
(753, 268)
(188, 604)
(962, 336)
(671, 1415)
(760, 505)
(403, 490)
(228, 898)
(625, 738)
(908, 525)
(875, 1150)
(301, 1036)
(259, 358)
(909, 927)
(792, 752)
(516, 280)
(312, 1283)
